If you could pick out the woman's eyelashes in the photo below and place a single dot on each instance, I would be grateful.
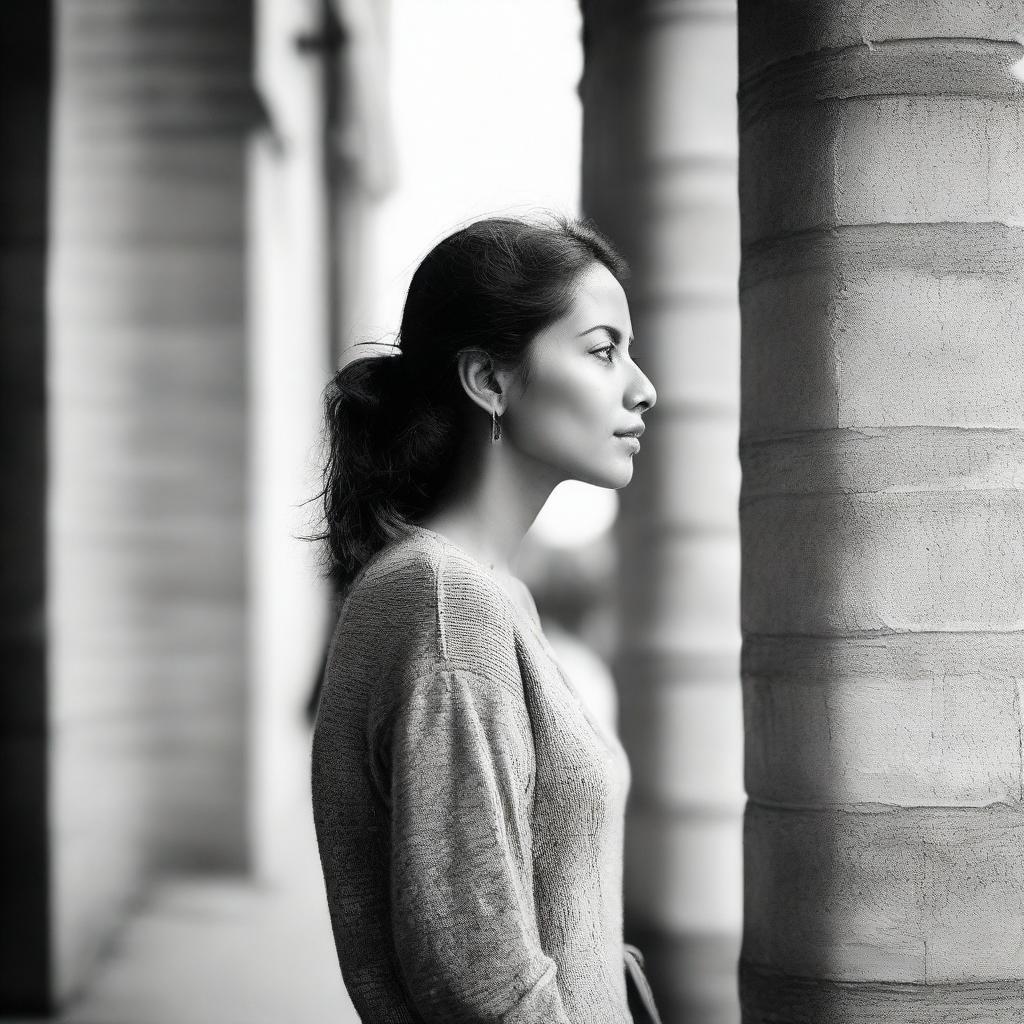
(609, 353)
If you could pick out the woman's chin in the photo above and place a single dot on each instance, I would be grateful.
(624, 478)
(612, 477)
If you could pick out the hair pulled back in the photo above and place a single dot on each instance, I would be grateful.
(395, 426)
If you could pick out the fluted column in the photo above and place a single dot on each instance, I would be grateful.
(148, 455)
(659, 175)
(882, 511)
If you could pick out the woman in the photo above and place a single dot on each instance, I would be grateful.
(469, 811)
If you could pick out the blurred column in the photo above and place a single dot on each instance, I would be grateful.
(359, 152)
(659, 175)
(25, 898)
(148, 447)
(882, 512)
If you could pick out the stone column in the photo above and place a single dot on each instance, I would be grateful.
(148, 456)
(882, 510)
(659, 176)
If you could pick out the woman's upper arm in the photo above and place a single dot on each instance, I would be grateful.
(461, 766)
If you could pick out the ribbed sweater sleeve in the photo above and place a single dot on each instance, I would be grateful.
(461, 783)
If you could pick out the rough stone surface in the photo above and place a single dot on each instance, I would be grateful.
(886, 563)
(775, 31)
(837, 348)
(880, 511)
(914, 895)
(843, 739)
(769, 997)
(879, 160)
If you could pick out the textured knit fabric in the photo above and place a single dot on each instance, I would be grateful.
(469, 811)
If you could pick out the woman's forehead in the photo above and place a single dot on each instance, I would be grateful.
(599, 298)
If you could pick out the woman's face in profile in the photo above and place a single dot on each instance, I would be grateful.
(584, 389)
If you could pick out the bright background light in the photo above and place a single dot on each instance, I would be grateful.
(486, 120)
(575, 515)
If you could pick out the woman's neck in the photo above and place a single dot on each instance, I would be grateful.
(489, 515)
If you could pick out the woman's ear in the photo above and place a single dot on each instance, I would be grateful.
(482, 381)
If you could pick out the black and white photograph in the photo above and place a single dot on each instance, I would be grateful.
(512, 512)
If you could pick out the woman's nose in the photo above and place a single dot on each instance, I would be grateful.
(642, 392)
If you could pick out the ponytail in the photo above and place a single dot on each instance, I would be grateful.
(385, 450)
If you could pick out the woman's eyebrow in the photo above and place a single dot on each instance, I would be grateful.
(613, 331)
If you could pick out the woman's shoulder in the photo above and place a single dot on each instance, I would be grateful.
(427, 559)
(422, 579)
(427, 616)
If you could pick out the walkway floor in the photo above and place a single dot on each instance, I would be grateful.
(224, 951)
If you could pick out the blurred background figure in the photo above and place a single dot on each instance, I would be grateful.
(203, 203)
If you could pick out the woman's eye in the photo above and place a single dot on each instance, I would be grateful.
(605, 353)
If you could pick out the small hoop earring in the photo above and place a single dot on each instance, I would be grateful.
(495, 425)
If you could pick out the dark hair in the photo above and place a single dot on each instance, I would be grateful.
(395, 426)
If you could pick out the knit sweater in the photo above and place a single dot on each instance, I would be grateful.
(469, 811)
